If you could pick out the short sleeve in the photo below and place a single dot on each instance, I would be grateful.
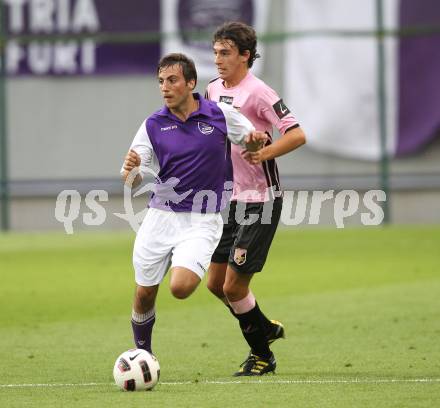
(238, 126)
(273, 109)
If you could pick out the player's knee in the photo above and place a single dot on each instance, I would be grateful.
(183, 282)
(144, 293)
(180, 291)
(234, 291)
(145, 297)
(230, 290)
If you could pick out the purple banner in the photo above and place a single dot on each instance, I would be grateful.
(419, 83)
(85, 56)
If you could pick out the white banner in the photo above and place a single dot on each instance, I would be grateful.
(331, 82)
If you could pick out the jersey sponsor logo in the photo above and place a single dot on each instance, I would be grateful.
(205, 128)
(280, 109)
(226, 99)
(240, 256)
(164, 129)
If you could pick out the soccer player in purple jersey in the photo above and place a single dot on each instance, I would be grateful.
(186, 141)
(243, 249)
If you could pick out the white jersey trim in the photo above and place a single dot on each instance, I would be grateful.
(237, 125)
(142, 146)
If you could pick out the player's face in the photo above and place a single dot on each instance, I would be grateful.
(173, 86)
(230, 64)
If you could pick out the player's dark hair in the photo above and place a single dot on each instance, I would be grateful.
(243, 36)
(187, 64)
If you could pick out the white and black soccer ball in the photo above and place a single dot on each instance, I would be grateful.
(136, 370)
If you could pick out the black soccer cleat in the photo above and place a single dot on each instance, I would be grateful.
(276, 332)
(256, 366)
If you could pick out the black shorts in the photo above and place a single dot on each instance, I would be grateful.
(246, 247)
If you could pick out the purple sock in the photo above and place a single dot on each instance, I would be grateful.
(142, 325)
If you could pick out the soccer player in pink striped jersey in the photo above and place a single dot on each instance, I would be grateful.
(244, 247)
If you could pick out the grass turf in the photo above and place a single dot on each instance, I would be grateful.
(361, 309)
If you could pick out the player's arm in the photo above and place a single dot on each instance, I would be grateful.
(289, 141)
(240, 130)
(139, 157)
(272, 109)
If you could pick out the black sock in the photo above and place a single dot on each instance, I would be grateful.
(253, 331)
(267, 324)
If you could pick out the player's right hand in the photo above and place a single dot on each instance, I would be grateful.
(132, 160)
(255, 140)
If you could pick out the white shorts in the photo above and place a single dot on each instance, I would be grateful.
(166, 239)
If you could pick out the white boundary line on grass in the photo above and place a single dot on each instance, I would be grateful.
(333, 381)
(297, 382)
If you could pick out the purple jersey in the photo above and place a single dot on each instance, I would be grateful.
(191, 158)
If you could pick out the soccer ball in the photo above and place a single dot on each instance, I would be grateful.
(136, 370)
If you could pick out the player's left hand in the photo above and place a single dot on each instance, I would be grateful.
(254, 157)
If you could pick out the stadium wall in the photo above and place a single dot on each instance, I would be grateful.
(72, 133)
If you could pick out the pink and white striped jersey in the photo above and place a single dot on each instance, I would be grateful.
(265, 109)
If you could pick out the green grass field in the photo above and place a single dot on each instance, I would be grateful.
(361, 309)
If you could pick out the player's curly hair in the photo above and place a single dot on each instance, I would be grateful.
(243, 36)
(187, 64)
